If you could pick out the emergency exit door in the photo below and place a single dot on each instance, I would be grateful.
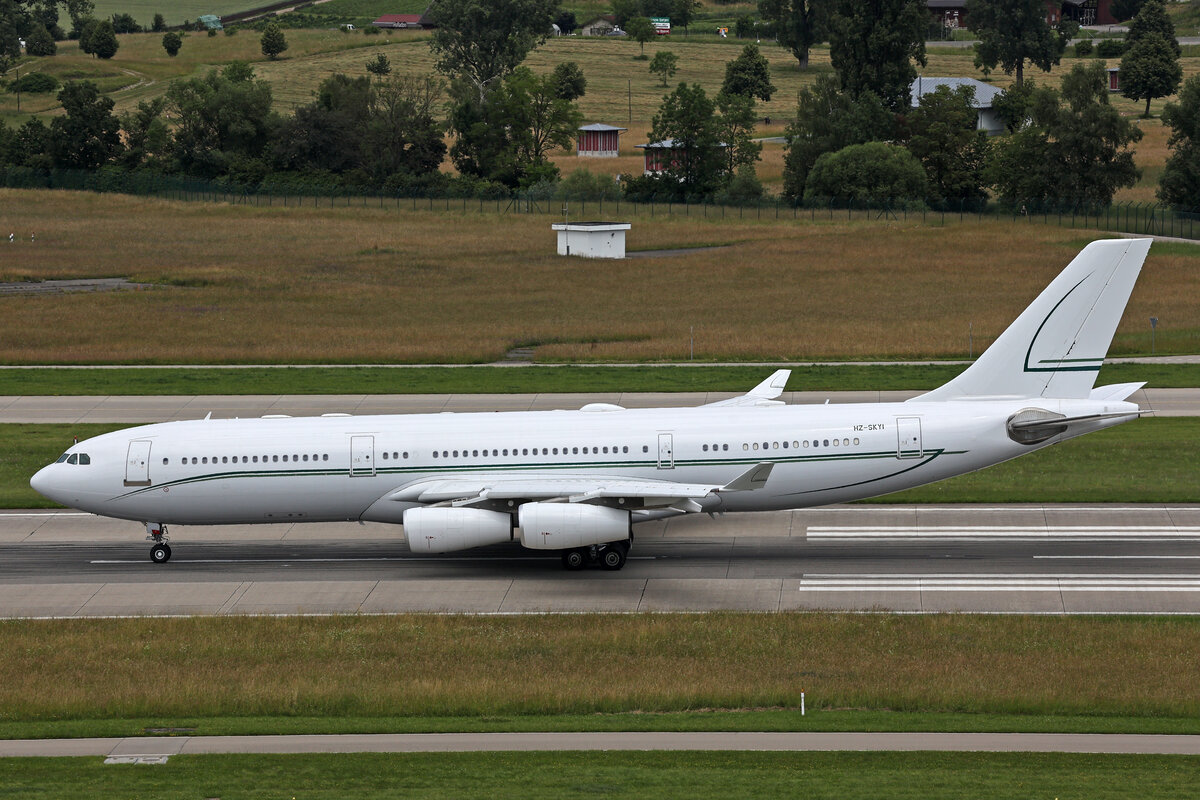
(137, 463)
(666, 451)
(362, 456)
(908, 437)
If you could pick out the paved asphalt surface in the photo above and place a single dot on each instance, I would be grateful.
(141, 409)
(1032, 559)
(154, 749)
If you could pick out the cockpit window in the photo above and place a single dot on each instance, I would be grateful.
(84, 458)
(62, 458)
(73, 459)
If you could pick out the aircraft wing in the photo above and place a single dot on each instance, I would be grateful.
(762, 395)
(477, 489)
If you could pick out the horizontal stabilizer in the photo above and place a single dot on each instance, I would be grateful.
(1115, 392)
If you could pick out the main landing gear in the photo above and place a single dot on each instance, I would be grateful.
(609, 556)
(160, 551)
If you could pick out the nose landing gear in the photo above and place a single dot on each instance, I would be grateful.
(160, 551)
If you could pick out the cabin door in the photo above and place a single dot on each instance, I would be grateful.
(908, 437)
(666, 451)
(362, 456)
(137, 463)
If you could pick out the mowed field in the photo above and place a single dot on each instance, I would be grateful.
(240, 284)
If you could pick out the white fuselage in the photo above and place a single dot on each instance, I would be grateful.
(345, 468)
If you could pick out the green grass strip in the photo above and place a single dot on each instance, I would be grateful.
(516, 380)
(1147, 461)
(687, 775)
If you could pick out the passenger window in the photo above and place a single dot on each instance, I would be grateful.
(825, 442)
(795, 444)
(435, 453)
(325, 457)
(575, 450)
(835, 442)
(224, 459)
(756, 445)
(164, 462)
(556, 451)
(306, 456)
(774, 445)
(846, 442)
(256, 459)
(745, 446)
(785, 445)
(856, 440)
(275, 459)
(506, 451)
(385, 456)
(645, 448)
(704, 447)
(724, 447)
(625, 449)
(406, 454)
(204, 460)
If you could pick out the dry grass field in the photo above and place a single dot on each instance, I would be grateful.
(439, 666)
(242, 284)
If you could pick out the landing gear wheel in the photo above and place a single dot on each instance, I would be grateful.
(575, 559)
(160, 553)
(613, 556)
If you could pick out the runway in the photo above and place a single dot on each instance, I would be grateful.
(156, 750)
(134, 410)
(916, 559)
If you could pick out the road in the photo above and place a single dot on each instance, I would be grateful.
(1009, 559)
(145, 749)
(163, 408)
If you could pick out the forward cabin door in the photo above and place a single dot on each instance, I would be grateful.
(362, 456)
(137, 463)
(666, 451)
(908, 437)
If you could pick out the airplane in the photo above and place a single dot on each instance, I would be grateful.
(575, 482)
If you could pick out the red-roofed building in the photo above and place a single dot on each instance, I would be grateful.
(403, 21)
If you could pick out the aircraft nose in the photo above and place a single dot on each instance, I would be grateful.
(41, 482)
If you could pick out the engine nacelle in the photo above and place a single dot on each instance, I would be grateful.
(560, 526)
(442, 530)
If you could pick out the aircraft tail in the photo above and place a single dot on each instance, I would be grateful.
(1057, 345)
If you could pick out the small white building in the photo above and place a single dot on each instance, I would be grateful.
(986, 118)
(591, 239)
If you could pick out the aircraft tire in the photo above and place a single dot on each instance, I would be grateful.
(160, 553)
(612, 558)
(576, 559)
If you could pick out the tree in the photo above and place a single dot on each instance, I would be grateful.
(379, 66)
(15, 22)
(942, 135)
(484, 40)
(625, 10)
(735, 127)
(569, 81)
(40, 42)
(88, 135)
(641, 29)
(159, 25)
(222, 120)
(88, 29)
(687, 117)
(273, 41)
(147, 137)
(749, 74)
(171, 42)
(828, 119)
(799, 24)
(1126, 9)
(1150, 69)
(1180, 181)
(507, 137)
(872, 172)
(403, 136)
(103, 41)
(79, 11)
(872, 46)
(566, 22)
(1151, 19)
(1012, 32)
(1074, 148)
(682, 12)
(664, 65)
(125, 23)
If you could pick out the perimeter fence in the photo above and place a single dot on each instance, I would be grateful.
(1128, 217)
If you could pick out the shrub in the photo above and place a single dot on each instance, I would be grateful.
(582, 184)
(744, 187)
(1110, 48)
(34, 83)
(1084, 48)
(875, 172)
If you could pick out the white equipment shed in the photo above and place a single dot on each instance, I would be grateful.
(591, 239)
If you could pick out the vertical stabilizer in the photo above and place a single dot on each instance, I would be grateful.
(1056, 347)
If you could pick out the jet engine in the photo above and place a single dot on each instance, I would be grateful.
(441, 530)
(560, 526)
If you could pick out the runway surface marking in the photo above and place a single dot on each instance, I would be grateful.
(158, 747)
(368, 559)
(954, 582)
(979, 532)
